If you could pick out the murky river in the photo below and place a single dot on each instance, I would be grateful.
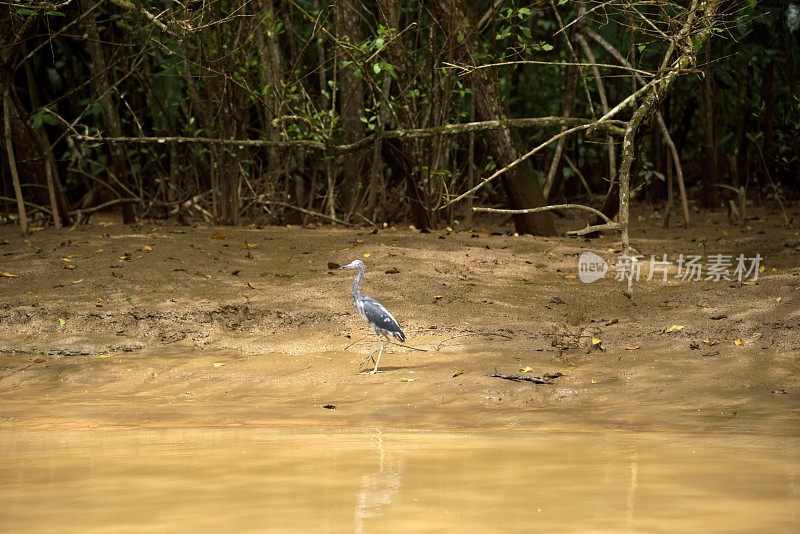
(258, 480)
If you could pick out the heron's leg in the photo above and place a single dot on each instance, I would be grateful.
(378, 359)
(369, 357)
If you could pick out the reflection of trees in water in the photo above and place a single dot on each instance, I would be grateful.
(378, 488)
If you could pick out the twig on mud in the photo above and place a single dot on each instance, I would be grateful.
(357, 341)
(390, 342)
(442, 342)
(409, 347)
(546, 379)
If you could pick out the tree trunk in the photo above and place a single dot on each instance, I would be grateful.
(791, 82)
(768, 117)
(271, 72)
(743, 89)
(711, 158)
(12, 162)
(649, 106)
(99, 70)
(522, 189)
(58, 204)
(351, 102)
(402, 153)
(555, 175)
(376, 180)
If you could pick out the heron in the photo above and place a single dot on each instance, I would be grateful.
(374, 312)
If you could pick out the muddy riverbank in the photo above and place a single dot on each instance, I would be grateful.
(161, 326)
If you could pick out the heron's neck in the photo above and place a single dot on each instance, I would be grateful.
(357, 284)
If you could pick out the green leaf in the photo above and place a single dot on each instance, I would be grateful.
(503, 34)
(61, 321)
(376, 68)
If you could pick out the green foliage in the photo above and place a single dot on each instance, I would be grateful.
(272, 25)
(210, 74)
(516, 31)
(41, 117)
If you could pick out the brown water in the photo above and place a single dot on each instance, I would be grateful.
(258, 480)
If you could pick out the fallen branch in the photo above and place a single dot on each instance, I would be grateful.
(595, 228)
(100, 207)
(305, 211)
(546, 379)
(31, 204)
(547, 208)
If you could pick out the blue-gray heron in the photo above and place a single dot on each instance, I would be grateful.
(374, 312)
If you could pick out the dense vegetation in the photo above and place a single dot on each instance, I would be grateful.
(285, 111)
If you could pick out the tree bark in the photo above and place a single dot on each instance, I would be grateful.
(690, 37)
(402, 153)
(12, 162)
(271, 75)
(791, 82)
(99, 70)
(711, 158)
(768, 115)
(555, 174)
(58, 205)
(351, 102)
(522, 189)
